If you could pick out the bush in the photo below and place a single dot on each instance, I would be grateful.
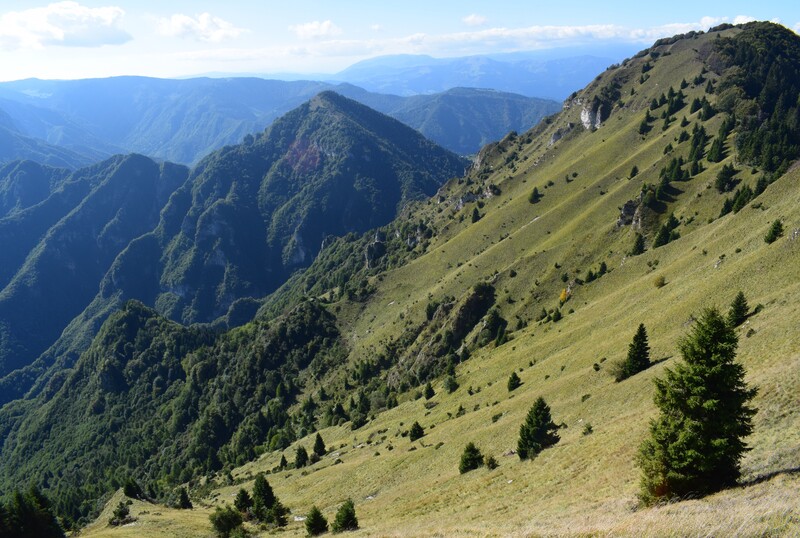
(537, 432)
(316, 523)
(450, 384)
(225, 520)
(471, 459)
(346, 519)
(121, 515)
(490, 462)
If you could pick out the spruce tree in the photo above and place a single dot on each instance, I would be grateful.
(696, 443)
(277, 514)
(738, 312)
(534, 197)
(346, 519)
(416, 431)
(429, 392)
(184, 503)
(638, 245)
(514, 382)
(283, 464)
(470, 459)
(316, 523)
(775, 231)
(638, 358)
(243, 502)
(263, 497)
(538, 432)
(476, 215)
(319, 446)
(300, 457)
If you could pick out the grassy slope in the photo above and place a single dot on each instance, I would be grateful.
(585, 485)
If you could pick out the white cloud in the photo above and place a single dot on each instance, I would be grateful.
(474, 19)
(376, 27)
(315, 30)
(743, 19)
(203, 27)
(67, 24)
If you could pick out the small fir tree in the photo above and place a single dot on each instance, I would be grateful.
(739, 309)
(416, 432)
(243, 502)
(634, 171)
(277, 514)
(537, 432)
(283, 464)
(476, 215)
(429, 392)
(346, 519)
(316, 523)
(514, 382)
(450, 384)
(775, 231)
(696, 443)
(184, 503)
(471, 459)
(263, 497)
(319, 446)
(638, 358)
(300, 457)
(534, 197)
(638, 245)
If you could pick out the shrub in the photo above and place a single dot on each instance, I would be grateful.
(120, 515)
(537, 432)
(696, 443)
(490, 462)
(346, 519)
(225, 520)
(660, 281)
(471, 459)
(450, 384)
(316, 523)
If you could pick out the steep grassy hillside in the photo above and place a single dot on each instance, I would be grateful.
(523, 265)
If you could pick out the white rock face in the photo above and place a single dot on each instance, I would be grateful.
(590, 118)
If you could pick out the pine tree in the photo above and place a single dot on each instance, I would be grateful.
(634, 171)
(184, 503)
(416, 431)
(696, 443)
(538, 432)
(638, 245)
(470, 459)
(738, 312)
(476, 215)
(638, 355)
(243, 502)
(319, 446)
(346, 519)
(263, 497)
(283, 464)
(277, 514)
(300, 457)
(429, 392)
(316, 523)
(534, 196)
(30, 514)
(775, 231)
(514, 382)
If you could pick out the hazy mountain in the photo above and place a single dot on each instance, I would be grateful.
(71, 123)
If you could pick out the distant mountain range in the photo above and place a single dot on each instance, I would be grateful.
(78, 122)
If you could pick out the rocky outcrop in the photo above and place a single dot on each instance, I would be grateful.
(561, 132)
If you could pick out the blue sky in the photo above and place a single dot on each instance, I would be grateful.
(88, 38)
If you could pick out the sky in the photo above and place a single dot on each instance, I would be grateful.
(100, 38)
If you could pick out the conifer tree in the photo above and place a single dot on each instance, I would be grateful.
(346, 519)
(243, 502)
(283, 463)
(696, 443)
(184, 503)
(319, 446)
(416, 431)
(429, 392)
(538, 432)
(476, 215)
(470, 459)
(738, 312)
(638, 358)
(277, 514)
(514, 382)
(638, 245)
(534, 196)
(316, 523)
(225, 520)
(775, 231)
(263, 497)
(300, 457)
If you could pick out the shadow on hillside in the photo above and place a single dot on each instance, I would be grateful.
(769, 476)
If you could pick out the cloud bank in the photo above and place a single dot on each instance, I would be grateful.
(204, 27)
(67, 24)
(315, 30)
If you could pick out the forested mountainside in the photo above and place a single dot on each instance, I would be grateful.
(73, 123)
(667, 186)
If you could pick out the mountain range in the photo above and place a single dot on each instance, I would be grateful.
(340, 275)
(75, 123)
